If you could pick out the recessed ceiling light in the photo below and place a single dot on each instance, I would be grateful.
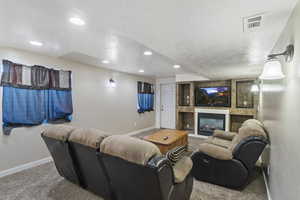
(36, 43)
(105, 61)
(148, 53)
(176, 66)
(77, 21)
(141, 71)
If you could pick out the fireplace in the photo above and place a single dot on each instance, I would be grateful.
(208, 120)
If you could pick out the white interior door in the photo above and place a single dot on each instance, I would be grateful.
(167, 105)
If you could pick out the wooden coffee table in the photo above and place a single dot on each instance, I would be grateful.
(167, 139)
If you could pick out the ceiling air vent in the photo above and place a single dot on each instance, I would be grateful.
(252, 23)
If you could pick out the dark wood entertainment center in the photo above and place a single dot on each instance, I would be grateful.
(240, 92)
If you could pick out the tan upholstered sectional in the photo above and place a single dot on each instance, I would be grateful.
(117, 165)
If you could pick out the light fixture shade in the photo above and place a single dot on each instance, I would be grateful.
(254, 88)
(272, 70)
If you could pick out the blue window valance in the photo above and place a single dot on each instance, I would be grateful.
(145, 97)
(33, 95)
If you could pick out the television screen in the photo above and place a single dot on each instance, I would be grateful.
(213, 96)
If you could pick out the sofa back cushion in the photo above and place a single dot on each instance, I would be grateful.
(88, 136)
(58, 132)
(128, 148)
(55, 137)
(252, 121)
(251, 129)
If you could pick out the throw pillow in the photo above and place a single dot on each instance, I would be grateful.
(176, 154)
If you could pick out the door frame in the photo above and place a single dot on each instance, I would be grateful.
(160, 82)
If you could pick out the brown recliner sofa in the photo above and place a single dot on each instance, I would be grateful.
(137, 170)
(84, 146)
(224, 138)
(74, 152)
(117, 167)
(56, 139)
(227, 162)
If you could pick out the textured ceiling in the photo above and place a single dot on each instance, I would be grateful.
(203, 36)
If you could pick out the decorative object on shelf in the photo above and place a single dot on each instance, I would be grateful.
(184, 93)
(273, 68)
(244, 96)
(254, 88)
(188, 100)
(33, 95)
(145, 97)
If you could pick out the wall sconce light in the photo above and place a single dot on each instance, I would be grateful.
(273, 68)
(112, 83)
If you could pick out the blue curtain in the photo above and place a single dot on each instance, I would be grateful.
(59, 105)
(28, 107)
(33, 95)
(24, 106)
(145, 97)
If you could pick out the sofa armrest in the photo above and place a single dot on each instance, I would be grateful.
(215, 151)
(182, 169)
(226, 135)
(159, 161)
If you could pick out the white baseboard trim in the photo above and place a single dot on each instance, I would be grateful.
(24, 167)
(267, 185)
(141, 130)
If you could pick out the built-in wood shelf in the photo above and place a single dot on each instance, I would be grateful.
(185, 101)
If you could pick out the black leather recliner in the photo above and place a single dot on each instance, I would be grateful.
(84, 145)
(230, 164)
(56, 139)
(138, 171)
(125, 167)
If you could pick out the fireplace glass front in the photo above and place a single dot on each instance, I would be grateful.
(208, 122)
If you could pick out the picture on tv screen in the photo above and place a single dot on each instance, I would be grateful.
(213, 96)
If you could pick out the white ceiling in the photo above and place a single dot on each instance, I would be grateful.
(203, 36)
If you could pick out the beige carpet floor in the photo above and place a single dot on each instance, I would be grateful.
(44, 183)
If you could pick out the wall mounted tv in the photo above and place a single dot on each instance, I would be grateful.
(213, 96)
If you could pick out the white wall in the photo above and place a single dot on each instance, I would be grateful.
(280, 112)
(159, 82)
(95, 105)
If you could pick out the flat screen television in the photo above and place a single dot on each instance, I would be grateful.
(213, 96)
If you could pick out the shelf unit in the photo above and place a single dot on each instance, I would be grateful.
(185, 103)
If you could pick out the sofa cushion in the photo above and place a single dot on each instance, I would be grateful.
(255, 121)
(226, 135)
(251, 121)
(58, 132)
(219, 142)
(182, 168)
(88, 136)
(176, 154)
(215, 151)
(128, 148)
(251, 129)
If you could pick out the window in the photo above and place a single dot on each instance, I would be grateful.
(145, 97)
(33, 95)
